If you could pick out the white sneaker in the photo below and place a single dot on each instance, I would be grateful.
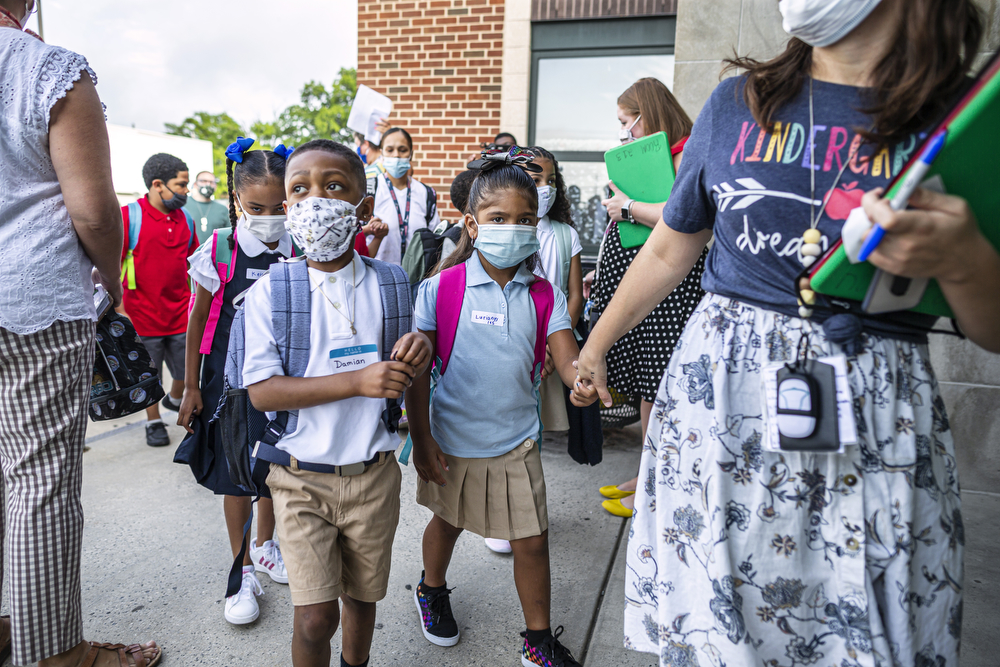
(267, 559)
(242, 608)
(498, 546)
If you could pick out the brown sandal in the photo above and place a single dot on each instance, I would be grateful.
(135, 650)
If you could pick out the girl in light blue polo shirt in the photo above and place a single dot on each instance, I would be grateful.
(475, 447)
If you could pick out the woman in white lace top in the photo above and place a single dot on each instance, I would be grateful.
(59, 221)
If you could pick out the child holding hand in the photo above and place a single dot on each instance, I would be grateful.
(475, 448)
(333, 476)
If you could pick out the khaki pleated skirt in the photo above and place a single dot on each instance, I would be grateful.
(553, 404)
(501, 497)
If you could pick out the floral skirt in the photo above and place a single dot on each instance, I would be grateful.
(739, 555)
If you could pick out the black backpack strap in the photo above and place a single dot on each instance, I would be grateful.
(432, 204)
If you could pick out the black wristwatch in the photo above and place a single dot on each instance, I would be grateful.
(627, 211)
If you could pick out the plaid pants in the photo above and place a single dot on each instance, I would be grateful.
(45, 382)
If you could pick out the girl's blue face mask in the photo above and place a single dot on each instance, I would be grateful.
(505, 246)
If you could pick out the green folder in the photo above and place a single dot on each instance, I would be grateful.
(644, 171)
(968, 167)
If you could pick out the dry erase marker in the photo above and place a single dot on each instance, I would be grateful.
(913, 180)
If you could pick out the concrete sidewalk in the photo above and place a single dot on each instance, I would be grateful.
(170, 586)
(155, 560)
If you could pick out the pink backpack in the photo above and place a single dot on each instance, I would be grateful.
(225, 275)
(448, 311)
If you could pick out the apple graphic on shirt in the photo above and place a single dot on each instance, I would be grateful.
(843, 200)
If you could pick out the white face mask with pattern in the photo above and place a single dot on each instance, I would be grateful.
(323, 228)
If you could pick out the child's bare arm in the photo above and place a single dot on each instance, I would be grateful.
(574, 301)
(191, 403)
(564, 350)
(428, 459)
(386, 379)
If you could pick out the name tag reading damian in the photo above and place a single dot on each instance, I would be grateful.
(353, 358)
(482, 317)
(254, 274)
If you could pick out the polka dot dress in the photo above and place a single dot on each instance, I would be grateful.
(637, 362)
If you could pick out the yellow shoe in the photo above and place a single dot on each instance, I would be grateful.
(615, 507)
(612, 491)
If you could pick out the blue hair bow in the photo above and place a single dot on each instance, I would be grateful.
(238, 148)
(283, 152)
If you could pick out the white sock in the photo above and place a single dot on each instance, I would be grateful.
(154, 421)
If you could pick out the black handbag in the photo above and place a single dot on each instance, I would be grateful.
(125, 380)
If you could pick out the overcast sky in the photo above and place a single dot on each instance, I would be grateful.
(161, 61)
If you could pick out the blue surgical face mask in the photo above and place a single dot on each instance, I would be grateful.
(505, 246)
(396, 166)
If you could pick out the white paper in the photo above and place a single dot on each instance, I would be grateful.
(369, 107)
(845, 406)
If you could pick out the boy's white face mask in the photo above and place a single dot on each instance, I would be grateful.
(823, 22)
(323, 228)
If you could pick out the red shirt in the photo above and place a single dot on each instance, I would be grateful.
(360, 245)
(158, 306)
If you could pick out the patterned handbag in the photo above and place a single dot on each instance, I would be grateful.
(125, 380)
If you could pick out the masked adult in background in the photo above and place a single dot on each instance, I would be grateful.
(208, 213)
(637, 361)
(740, 554)
(60, 222)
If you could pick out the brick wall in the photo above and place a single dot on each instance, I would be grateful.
(440, 62)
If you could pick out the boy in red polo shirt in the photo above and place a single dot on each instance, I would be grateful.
(154, 261)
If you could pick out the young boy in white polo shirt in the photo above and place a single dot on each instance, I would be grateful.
(336, 503)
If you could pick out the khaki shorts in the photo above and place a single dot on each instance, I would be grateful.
(336, 532)
(501, 497)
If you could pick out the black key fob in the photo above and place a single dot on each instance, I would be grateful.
(807, 407)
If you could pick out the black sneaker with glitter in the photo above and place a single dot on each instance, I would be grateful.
(548, 653)
(436, 619)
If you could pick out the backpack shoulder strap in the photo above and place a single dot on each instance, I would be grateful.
(448, 310)
(291, 319)
(432, 204)
(544, 299)
(224, 262)
(397, 320)
(223, 256)
(564, 241)
(190, 222)
(397, 312)
(134, 224)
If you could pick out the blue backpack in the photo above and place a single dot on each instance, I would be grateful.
(134, 225)
(248, 437)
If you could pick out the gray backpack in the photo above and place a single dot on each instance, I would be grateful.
(248, 437)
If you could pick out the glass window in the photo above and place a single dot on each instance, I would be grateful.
(586, 183)
(577, 98)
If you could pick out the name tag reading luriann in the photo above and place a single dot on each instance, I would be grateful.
(353, 358)
(482, 317)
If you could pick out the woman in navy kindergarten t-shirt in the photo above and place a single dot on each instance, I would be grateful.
(741, 554)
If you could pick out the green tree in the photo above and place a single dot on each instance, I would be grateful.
(220, 129)
(321, 114)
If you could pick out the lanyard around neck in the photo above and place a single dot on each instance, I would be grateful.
(404, 222)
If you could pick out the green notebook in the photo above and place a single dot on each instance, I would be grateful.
(644, 171)
(968, 168)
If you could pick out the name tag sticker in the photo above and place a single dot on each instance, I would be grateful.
(353, 358)
(254, 274)
(482, 317)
